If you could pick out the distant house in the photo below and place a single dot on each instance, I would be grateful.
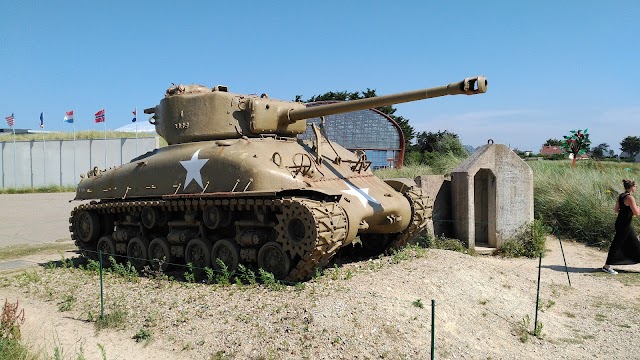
(580, 157)
(548, 150)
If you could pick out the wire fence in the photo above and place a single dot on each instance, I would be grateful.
(446, 306)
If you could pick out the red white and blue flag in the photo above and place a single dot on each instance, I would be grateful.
(69, 117)
(100, 116)
(135, 115)
(9, 120)
(41, 120)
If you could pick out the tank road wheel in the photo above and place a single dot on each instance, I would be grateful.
(107, 245)
(86, 226)
(137, 251)
(228, 252)
(272, 258)
(198, 253)
(160, 257)
(296, 229)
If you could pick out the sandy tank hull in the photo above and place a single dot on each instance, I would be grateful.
(236, 187)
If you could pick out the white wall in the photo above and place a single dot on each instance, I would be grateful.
(60, 162)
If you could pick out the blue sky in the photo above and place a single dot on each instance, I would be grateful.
(552, 66)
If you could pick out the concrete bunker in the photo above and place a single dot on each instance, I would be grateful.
(486, 201)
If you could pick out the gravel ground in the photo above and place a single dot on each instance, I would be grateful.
(380, 308)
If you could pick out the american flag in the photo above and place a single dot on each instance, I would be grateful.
(100, 116)
(9, 120)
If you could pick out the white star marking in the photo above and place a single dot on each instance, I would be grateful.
(193, 167)
(361, 194)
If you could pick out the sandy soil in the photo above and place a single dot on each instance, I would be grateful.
(380, 308)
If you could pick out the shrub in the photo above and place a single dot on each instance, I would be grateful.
(528, 241)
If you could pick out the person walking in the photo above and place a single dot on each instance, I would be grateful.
(625, 247)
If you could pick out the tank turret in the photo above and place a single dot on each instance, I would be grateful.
(236, 186)
(197, 113)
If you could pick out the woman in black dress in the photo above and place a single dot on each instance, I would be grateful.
(625, 248)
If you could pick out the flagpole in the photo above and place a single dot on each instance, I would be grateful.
(135, 116)
(44, 152)
(15, 182)
(73, 179)
(104, 120)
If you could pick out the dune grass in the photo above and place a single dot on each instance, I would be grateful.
(80, 135)
(42, 189)
(579, 201)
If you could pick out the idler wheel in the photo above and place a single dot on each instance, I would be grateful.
(198, 253)
(137, 252)
(107, 245)
(228, 252)
(215, 217)
(160, 257)
(86, 226)
(297, 230)
(273, 259)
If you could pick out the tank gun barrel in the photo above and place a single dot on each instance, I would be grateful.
(468, 86)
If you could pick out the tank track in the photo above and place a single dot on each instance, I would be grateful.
(421, 212)
(325, 220)
(331, 228)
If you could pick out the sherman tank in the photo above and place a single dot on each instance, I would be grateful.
(235, 186)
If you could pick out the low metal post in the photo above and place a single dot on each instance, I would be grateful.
(101, 294)
(535, 323)
(433, 328)
(566, 269)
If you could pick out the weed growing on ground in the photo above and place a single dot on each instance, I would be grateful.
(12, 319)
(143, 335)
(27, 277)
(269, 280)
(220, 355)
(116, 319)
(418, 303)
(190, 275)
(224, 277)
(67, 303)
(246, 275)
(522, 330)
(127, 271)
(10, 345)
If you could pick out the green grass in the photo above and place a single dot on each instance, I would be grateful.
(42, 189)
(80, 135)
(18, 251)
(579, 201)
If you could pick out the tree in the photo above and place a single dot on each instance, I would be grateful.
(407, 130)
(441, 142)
(553, 142)
(577, 144)
(631, 145)
(601, 151)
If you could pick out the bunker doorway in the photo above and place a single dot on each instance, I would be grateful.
(484, 200)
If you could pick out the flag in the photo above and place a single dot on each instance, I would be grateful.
(135, 115)
(69, 117)
(41, 120)
(9, 120)
(100, 116)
